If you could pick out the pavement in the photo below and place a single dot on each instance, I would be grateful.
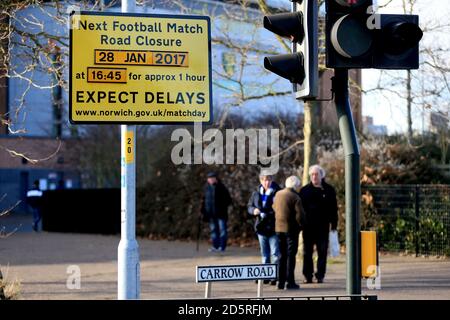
(43, 264)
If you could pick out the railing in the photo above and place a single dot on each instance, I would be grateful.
(326, 297)
(409, 218)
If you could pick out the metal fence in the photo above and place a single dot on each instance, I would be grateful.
(409, 218)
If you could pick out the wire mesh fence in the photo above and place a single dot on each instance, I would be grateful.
(409, 218)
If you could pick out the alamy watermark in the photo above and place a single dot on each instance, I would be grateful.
(74, 279)
(374, 20)
(236, 146)
(374, 283)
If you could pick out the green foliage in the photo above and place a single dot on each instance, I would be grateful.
(384, 162)
(399, 233)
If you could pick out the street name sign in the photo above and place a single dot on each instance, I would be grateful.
(129, 68)
(237, 272)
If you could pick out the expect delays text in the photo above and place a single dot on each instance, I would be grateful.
(112, 97)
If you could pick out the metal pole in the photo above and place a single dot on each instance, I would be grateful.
(208, 290)
(259, 291)
(417, 211)
(128, 250)
(352, 180)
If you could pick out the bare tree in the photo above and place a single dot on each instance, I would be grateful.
(427, 88)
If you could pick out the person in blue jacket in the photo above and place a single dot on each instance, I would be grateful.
(260, 207)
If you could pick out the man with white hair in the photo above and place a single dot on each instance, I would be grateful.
(320, 204)
(289, 216)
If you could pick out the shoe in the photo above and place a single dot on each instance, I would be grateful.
(280, 286)
(212, 249)
(292, 286)
(266, 281)
(320, 280)
(308, 280)
(273, 282)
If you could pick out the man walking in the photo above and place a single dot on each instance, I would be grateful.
(320, 204)
(214, 210)
(289, 216)
(34, 197)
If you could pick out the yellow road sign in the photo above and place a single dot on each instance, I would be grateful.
(140, 68)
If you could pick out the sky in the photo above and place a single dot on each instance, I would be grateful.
(390, 110)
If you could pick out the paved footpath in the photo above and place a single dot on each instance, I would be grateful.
(40, 262)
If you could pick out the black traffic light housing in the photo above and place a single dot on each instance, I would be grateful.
(353, 42)
(349, 42)
(289, 66)
(301, 66)
(398, 42)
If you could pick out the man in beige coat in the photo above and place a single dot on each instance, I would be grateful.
(289, 218)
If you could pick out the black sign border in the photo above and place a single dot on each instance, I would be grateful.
(237, 265)
(106, 69)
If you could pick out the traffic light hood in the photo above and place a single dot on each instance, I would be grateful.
(288, 66)
(288, 25)
(401, 36)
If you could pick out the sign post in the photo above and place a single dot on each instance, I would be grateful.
(128, 250)
(128, 69)
(259, 272)
(128, 266)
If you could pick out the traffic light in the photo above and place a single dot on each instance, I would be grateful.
(356, 37)
(301, 66)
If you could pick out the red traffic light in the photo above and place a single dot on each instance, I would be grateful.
(347, 6)
(353, 3)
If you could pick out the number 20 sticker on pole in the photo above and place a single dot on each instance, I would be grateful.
(140, 68)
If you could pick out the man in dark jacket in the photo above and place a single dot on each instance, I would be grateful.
(320, 204)
(289, 217)
(214, 209)
(34, 198)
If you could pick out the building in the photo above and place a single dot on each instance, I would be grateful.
(438, 122)
(371, 129)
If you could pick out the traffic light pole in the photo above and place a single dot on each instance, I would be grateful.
(352, 180)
